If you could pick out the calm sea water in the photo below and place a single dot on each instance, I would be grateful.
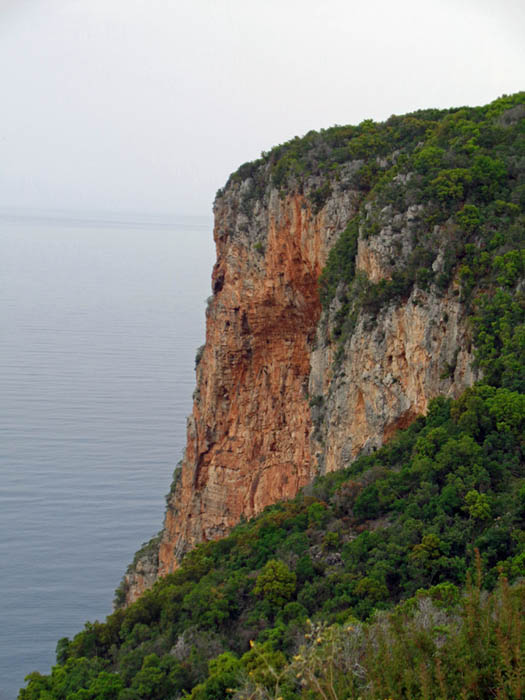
(100, 321)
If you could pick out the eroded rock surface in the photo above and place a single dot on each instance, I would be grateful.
(249, 433)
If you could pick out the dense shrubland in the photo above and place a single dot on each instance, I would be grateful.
(400, 576)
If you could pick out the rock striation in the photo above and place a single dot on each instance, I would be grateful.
(280, 397)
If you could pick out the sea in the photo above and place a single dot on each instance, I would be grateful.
(100, 319)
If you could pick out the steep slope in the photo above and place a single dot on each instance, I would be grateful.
(248, 437)
(407, 219)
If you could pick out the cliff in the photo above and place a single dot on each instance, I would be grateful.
(365, 276)
(249, 435)
(298, 378)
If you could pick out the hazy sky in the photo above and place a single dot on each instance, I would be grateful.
(148, 105)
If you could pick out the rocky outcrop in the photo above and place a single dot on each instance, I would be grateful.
(388, 374)
(277, 399)
(141, 574)
(390, 366)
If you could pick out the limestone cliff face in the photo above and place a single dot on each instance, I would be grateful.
(391, 366)
(388, 372)
(273, 405)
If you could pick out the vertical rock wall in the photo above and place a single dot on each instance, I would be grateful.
(248, 438)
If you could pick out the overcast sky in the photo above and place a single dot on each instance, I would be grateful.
(148, 105)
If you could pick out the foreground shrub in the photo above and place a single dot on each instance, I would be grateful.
(423, 649)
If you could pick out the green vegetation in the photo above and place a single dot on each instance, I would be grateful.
(407, 518)
(466, 176)
(368, 584)
(436, 644)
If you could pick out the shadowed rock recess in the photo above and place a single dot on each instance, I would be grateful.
(341, 306)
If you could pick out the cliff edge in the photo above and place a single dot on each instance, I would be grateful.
(343, 298)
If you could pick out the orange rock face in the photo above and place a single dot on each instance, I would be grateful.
(248, 436)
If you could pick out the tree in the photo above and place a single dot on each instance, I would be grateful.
(477, 505)
(276, 583)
